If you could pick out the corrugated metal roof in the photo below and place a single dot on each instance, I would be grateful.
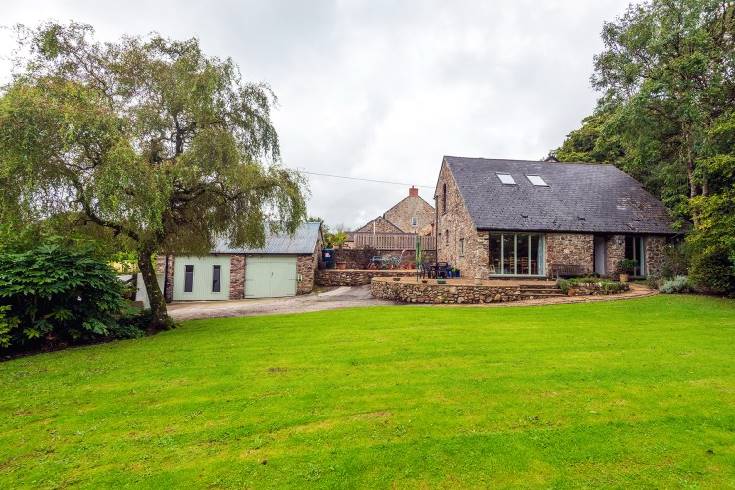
(581, 197)
(303, 241)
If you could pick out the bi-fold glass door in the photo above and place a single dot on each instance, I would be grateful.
(517, 254)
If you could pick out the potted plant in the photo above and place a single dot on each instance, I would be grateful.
(626, 268)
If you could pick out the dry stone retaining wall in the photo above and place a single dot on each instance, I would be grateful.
(354, 277)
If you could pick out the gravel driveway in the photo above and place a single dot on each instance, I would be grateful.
(341, 297)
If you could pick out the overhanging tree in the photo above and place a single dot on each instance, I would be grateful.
(667, 75)
(146, 138)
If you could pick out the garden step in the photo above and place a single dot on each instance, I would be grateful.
(542, 295)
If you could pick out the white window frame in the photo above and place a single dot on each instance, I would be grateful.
(539, 182)
(414, 221)
(461, 247)
(505, 178)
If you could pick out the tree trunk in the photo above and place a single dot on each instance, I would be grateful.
(159, 315)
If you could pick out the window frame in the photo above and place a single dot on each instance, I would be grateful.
(188, 278)
(216, 278)
(501, 175)
(542, 183)
(461, 247)
(538, 238)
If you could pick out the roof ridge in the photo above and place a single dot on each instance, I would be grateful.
(528, 161)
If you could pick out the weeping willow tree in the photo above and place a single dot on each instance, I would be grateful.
(148, 140)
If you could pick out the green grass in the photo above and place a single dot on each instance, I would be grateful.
(637, 393)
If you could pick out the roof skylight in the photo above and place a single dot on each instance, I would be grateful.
(537, 180)
(506, 179)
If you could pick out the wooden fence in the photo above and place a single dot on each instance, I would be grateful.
(391, 241)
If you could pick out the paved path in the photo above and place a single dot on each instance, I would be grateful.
(346, 297)
(341, 297)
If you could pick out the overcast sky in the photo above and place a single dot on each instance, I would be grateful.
(382, 89)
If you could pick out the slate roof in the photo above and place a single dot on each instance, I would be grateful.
(580, 197)
(303, 241)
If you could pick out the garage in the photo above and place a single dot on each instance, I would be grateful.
(201, 278)
(270, 276)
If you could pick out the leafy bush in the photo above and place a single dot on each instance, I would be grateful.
(55, 295)
(713, 270)
(627, 266)
(675, 261)
(679, 284)
(604, 284)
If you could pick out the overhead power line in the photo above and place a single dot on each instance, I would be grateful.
(375, 181)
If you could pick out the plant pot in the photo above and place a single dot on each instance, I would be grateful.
(396, 279)
(424, 281)
(341, 265)
(624, 277)
(572, 292)
(441, 281)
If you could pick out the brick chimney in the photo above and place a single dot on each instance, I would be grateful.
(413, 192)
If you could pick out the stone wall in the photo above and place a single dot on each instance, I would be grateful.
(570, 248)
(354, 277)
(454, 225)
(359, 258)
(306, 266)
(615, 253)
(655, 256)
(237, 276)
(412, 206)
(433, 293)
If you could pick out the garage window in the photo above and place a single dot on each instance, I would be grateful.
(216, 270)
(188, 278)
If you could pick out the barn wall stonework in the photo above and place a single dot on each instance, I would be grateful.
(570, 248)
(237, 276)
(655, 254)
(306, 266)
(455, 226)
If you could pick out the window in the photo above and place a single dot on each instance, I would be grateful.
(188, 278)
(517, 254)
(635, 249)
(444, 198)
(461, 247)
(446, 237)
(414, 221)
(216, 271)
(537, 180)
(506, 179)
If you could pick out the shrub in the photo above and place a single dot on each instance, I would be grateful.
(56, 295)
(564, 285)
(675, 261)
(679, 284)
(713, 270)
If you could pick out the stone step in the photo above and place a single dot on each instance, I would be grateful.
(541, 295)
(540, 290)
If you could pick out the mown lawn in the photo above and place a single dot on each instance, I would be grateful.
(628, 393)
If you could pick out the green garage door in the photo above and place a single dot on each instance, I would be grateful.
(202, 278)
(270, 276)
